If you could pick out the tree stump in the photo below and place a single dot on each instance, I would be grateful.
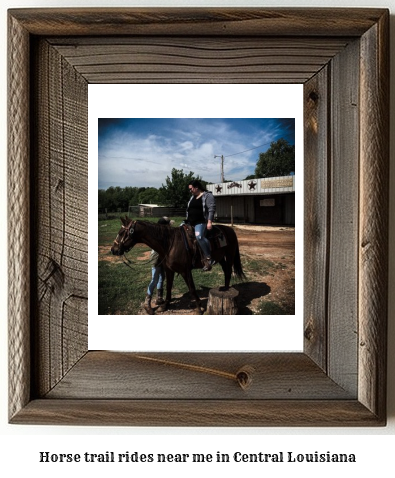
(222, 302)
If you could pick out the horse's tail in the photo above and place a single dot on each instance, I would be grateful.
(237, 267)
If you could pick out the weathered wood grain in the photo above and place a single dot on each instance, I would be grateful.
(164, 59)
(260, 22)
(285, 376)
(53, 55)
(343, 227)
(61, 204)
(18, 218)
(201, 413)
(316, 214)
(373, 227)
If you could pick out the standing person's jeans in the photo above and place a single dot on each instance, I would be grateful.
(158, 276)
(200, 232)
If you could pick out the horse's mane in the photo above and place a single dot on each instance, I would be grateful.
(162, 232)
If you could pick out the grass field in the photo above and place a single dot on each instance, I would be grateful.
(123, 282)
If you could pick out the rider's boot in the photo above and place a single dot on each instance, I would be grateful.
(147, 304)
(159, 297)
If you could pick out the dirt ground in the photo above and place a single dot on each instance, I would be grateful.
(275, 244)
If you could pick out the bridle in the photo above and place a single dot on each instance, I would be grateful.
(125, 233)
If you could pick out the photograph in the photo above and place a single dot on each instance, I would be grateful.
(195, 216)
(202, 232)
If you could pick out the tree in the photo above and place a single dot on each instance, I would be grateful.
(115, 198)
(175, 192)
(132, 193)
(278, 160)
(149, 196)
(102, 199)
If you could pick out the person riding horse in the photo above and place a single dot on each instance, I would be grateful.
(200, 214)
(169, 242)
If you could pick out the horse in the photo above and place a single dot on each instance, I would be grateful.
(179, 252)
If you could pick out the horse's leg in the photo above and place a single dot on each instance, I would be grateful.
(227, 268)
(169, 285)
(187, 276)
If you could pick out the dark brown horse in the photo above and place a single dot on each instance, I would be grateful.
(178, 251)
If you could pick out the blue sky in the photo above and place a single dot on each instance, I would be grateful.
(142, 152)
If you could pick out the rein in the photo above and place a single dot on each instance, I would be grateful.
(128, 231)
(127, 261)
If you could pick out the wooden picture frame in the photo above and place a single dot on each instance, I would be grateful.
(342, 58)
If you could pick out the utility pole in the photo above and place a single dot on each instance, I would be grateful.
(222, 166)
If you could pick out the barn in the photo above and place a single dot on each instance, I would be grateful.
(155, 210)
(269, 201)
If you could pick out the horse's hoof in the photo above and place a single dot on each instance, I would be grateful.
(198, 311)
(162, 308)
(149, 310)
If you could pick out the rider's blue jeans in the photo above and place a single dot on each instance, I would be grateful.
(200, 231)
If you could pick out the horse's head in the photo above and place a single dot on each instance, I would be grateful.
(126, 238)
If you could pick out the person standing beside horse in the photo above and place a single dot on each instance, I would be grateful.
(158, 275)
(200, 214)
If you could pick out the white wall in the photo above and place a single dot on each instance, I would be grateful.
(23, 443)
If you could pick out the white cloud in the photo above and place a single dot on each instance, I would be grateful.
(128, 157)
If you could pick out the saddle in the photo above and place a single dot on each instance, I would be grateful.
(215, 237)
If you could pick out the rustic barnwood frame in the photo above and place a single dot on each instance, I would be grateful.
(341, 57)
